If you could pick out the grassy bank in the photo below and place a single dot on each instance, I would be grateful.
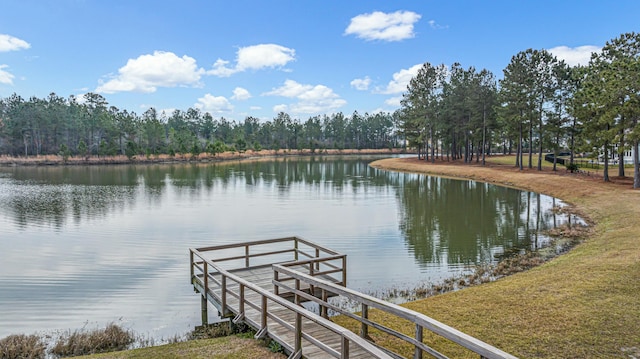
(231, 347)
(584, 304)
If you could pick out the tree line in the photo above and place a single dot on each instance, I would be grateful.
(540, 105)
(89, 126)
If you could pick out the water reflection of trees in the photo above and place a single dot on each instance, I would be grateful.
(52, 196)
(442, 221)
(54, 205)
(452, 221)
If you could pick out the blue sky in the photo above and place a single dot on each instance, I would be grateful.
(256, 58)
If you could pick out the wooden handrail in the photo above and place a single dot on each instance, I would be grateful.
(314, 266)
(421, 320)
(247, 255)
(346, 336)
(269, 241)
(237, 245)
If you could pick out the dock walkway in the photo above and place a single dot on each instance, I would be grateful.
(272, 285)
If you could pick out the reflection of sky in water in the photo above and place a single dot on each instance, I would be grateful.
(93, 245)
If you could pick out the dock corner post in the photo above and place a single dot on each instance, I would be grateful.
(191, 265)
(344, 270)
(203, 310)
(295, 248)
(417, 354)
(205, 292)
(246, 256)
(364, 328)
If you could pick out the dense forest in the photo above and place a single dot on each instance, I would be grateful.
(92, 127)
(541, 104)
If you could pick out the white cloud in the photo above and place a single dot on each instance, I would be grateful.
(213, 104)
(361, 84)
(393, 101)
(437, 26)
(10, 43)
(240, 94)
(5, 77)
(148, 72)
(400, 80)
(575, 56)
(255, 57)
(220, 69)
(311, 99)
(394, 26)
(280, 108)
(255, 108)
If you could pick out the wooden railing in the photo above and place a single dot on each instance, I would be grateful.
(282, 275)
(248, 254)
(207, 273)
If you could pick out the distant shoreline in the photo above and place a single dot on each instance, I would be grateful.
(56, 160)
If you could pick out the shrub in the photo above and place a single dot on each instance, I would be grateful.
(64, 152)
(275, 347)
(130, 150)
(217, 330)
(22, 346)
(111, 338)
(572, 167)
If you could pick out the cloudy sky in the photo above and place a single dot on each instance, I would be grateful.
(256, 58)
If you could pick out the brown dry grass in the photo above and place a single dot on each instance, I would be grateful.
(111, 338)
(22, 346)
(584, 304)
(202, 158)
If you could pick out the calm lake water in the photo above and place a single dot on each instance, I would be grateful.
(85, 246)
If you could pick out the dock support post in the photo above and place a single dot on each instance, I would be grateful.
(203, 310)
(323, 309)
(298, 335)
(364, 328)
(223, 295)
(344, 347)
(417, 354)
(344, 271)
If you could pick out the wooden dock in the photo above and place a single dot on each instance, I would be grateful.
(270, 284)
